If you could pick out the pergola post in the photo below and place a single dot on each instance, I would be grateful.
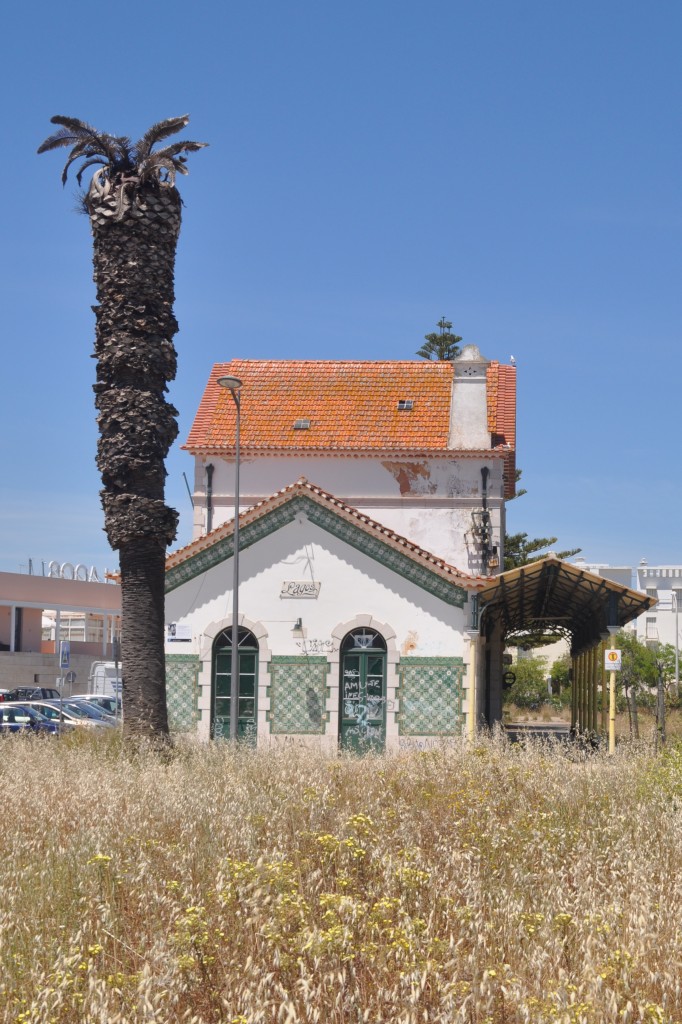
(582, 717)
(593, 691)
(604, 691)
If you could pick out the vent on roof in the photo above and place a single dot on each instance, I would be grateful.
(302, 425)
(405, 405)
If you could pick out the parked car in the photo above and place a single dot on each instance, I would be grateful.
(72, 713)
(91, 709)
(20, 718)
(30, 693)
(103, 701)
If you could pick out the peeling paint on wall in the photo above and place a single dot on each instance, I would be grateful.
(410, 643)
(412, 477)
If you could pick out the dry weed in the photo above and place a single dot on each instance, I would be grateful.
(499, 884)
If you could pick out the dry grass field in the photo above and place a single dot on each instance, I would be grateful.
(493, 885)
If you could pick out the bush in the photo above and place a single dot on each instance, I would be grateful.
(529, 690)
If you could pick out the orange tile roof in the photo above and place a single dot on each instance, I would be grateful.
(501, 382)
(351, 405)
(371, 526)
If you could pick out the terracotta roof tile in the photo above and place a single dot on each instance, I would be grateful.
(502, 421)
(350, 405)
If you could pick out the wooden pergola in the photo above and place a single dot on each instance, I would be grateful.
(552, 596)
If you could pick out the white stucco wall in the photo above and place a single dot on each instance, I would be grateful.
(429, 500)
(354, 590)
(661, 623)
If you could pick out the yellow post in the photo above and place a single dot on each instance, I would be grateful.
(604, 701)
(612, 712)
(471, 723)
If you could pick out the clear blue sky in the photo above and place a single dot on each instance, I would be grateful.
(373, 166)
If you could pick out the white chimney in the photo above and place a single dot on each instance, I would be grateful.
(469, 406)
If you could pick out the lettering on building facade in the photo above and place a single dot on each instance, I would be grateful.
(300, 588)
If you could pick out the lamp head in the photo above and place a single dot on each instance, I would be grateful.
(231, 383)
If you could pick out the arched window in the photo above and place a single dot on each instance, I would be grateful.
(222, 685)
(362, 689)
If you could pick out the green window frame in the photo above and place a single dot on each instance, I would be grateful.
(247, 722)
(362, 691)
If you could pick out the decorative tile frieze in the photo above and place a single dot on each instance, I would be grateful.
(298, 694)
(430, 695)
(334, 524)
(182, 691)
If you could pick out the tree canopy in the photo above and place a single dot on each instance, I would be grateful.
(116, 156)
(443, 345)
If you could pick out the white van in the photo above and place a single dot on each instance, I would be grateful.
(105, 679)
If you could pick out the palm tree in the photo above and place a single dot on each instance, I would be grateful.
(134, 209)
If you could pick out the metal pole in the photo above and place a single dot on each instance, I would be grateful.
(118, 691)
(604, 699)
(234, 674)
(677, 642)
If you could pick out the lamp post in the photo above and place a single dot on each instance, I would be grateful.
(675, 595)
(233, 384)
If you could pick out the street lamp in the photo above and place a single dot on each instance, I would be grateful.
(675, 597)
(233, 384)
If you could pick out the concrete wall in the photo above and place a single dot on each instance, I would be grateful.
(21, 669)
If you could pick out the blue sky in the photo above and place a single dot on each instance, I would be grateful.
(373, 166)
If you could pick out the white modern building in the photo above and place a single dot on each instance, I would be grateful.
(663, 583)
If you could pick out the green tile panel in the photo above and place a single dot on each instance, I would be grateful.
(430, 695)
(298, 694)
(182, 691)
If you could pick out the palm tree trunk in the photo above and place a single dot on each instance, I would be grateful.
(142, 641)
(135, 231)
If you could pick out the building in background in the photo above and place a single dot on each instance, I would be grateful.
(662, 583)
(38, 611)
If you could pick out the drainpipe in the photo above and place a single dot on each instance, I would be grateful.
(485, 537)
(209, 497)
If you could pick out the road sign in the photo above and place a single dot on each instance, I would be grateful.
(70, 678)
(64, 653)
(612, 661)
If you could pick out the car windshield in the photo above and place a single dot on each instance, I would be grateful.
(108, 704)
(23, 711)
(37, 715)
(91, 710)
(69, 709)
